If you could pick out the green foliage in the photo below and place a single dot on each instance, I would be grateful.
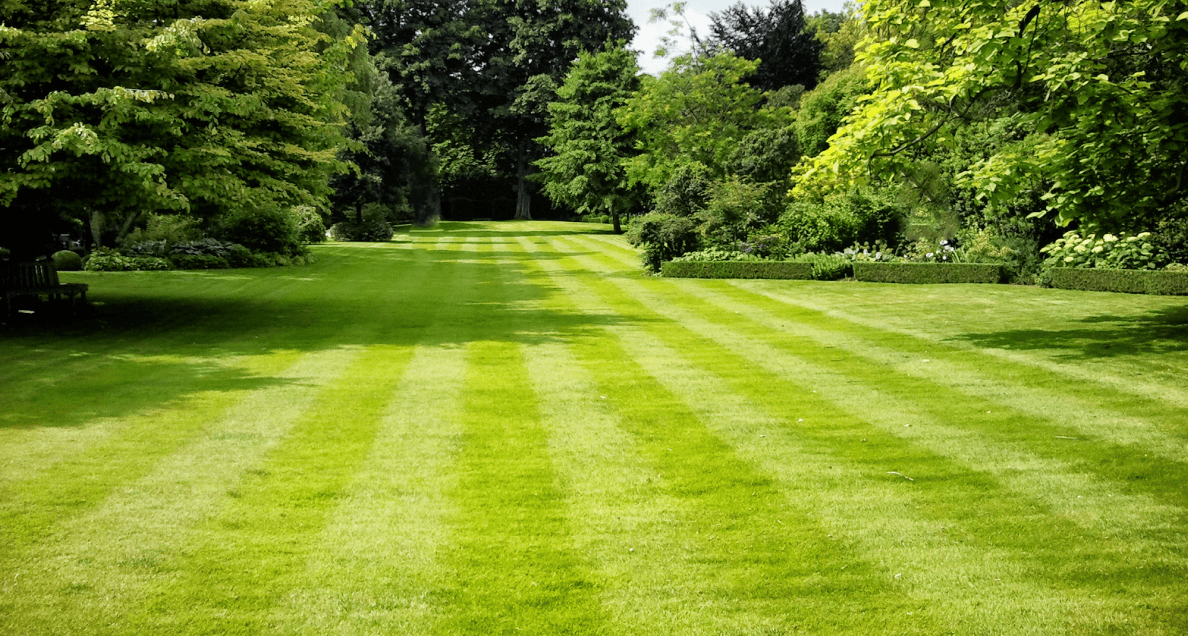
(715, 255)
(585, 170)
(1171, 237)
(1131, 281)
(367, 231)
(696, 112)
(766, 155)
(927, 273)
(1105, 252)
(840, 221)
(736, 269)
(777, 37)
(1098, 86)
(735, 210)
(662, 237)
(67, 261)
(686, 192)
(840, 35)
(165, 228)
(311, 228)
(827, 266)
(268, 230)
(823, 109)
(110, 260)
(206, 108)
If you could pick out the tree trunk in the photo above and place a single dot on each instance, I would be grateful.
(615, 220)
(127, 226)
(430, 213)
(97, 227)
(523, 199)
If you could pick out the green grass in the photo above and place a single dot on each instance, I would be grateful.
(503, 428)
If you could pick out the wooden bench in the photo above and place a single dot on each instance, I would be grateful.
(36, 280)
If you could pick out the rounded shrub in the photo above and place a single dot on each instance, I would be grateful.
(67, 261)
(105, 259)
(310, 226)
(265, 230)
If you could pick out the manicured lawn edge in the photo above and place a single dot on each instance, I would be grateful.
(928, 272)
(1130, 281)
(739, 269)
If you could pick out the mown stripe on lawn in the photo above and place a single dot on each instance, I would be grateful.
(81, 578)
(1112, 445)
(1088, 383)
(742, 558)
(374, 568)
(1128, 416)
(1150, 524)
(512, 556)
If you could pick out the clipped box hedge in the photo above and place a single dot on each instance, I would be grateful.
(928, 272)
(738, 269)
(1131, 281)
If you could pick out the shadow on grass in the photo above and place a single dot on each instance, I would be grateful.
(1157, 332)
(156, 337)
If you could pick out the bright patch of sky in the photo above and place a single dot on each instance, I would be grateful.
(697, 11)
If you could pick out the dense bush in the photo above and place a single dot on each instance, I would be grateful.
(1171, 237)
(1133, 281)
(595, 218)
(110, 260)
(271, 229)
(831, 225)
(766, 155)
(1105, 252)
(368, 231)
(823, 108)
(149, 264)
(715, 255)
(902, 272)
(662, 237)
(735, 210)
(311, 228)
(234, 254)
(158, 248)
(165, 228)
(67, 261)
(686, 192)
(739, 269)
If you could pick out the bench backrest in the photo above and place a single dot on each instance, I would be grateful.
(28, 275)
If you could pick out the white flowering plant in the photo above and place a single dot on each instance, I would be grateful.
(1107, 251)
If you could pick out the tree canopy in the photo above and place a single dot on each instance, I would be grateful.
(114, 108)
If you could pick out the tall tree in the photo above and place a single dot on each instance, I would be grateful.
(585, 170)
(789, 53)
(113, 108)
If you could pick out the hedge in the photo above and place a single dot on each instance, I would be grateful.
(738, 269)
(1131, 281)
(928, 272)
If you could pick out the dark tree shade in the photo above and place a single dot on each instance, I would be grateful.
(789, 53)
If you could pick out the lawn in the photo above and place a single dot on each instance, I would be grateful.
(501, 428)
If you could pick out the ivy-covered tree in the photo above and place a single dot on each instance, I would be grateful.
(1100, 89)
(585, 170)
(114, 108)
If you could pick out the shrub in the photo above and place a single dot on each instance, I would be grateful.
(1171, 237)
(1132, 281)
(166, 228)
(739, 269)
(827, 266)
(687, 191)
(1105, 252)
(823, 108)
(369, 231)
(199, 261)
(662, 237)
(311, 228)
(105, 259)
(833, 224)
(148, 263)
(927, 273)
(265, 230)
(596, 218)
(734, 210)
(67, 261)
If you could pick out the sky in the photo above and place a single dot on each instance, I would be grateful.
(698, 13)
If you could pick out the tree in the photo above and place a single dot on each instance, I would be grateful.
(213, 108)
(787, 51)
(1100, 88)
(697, 111)
(585, 170)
